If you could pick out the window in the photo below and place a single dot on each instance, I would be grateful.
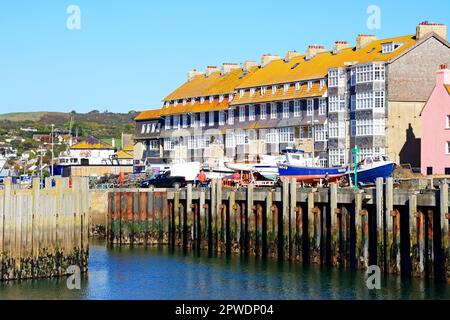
(322, 106)
(387, 47)
(448, 147)
(353, 103)
(241, 93)
(353, 128)
(379, 72)
(310, 107)
(333, 78)
(252, 92)
(176, 121)
(193, 120)
(241, 114)
(366, 100)
(184, 102)
(175, 103)
(230, 97)
(297, 86)
(221, 117)
(429, 171)
(211, 118)
(251, 112)
(153, 145)
(447, 125)
(202, 119)
(221, 97)
(185, 120)
(272, 136)
(336, 129)
(310, 85)
(202, 100)
(192, 101)
(241, 137)
(274, 89)
(285, 109)
(286, 87)
(337, 103)
(379, 100)
(144, 126)
(230, 117)
(297, 109)
(305, 132)
(368, 127)
(167, 122)
(337, 157)
(263, 90)
(322, 83)
(167, 104)
(211, 99)
(273, 111)
(263, 112)
(370, 72)
(321, 132)
(286, 135)
(169, 144)
(353, 77)
(230, 141)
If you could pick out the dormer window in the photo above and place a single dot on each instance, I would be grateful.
(241, 92)
(175, 103)
(211, 99)
(322, 83)
(202, 100)
(389, 47)
(184, 102)
(310, 85)
(274, 89)
(252, 92)
(286, 87)
(230, 97)
(221, 98)
(263, 90)
(297, 86)
(167, 104)
(192, 101)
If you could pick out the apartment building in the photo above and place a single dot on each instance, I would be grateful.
(326, 102)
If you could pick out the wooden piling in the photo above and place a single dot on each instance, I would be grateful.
(415, 236)
(250, 222)
(445, 241)
(189, 217)
(272, 226)
(334, 232)
(285, 221)
(293, 225)
(230, 238)
(392, 241)
(212, 224)
(380, 246)
(203, 220)
(362, 236)
(314, 229)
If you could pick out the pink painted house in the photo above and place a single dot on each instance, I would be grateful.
(435, 143)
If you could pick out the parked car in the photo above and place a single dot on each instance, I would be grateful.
(164, 180)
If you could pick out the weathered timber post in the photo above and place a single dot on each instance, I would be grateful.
(230, 227)
(314, 229)
(284, 252)
(203, 220)
(272, 226)
(392, 249)
(250, 222)
(189, 217)
(176, 215)
(362, 236)
(239, 241)
(212, 221)
(293, 218)
(445, 241)
(415, 254)
(335, 217)
(220, 220)
(380, 246)
(429, 245)
(258, 229)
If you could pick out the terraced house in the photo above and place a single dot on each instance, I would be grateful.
(325, 102)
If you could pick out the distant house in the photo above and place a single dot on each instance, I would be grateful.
(92, 151)
(125, 156)
(435, 143)
(43, 138)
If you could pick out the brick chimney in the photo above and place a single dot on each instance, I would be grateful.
(364, 39)
(443, 75)
(248, 65)
(339, 45)
(210, 70)
(192, 74)
(313, 50)
(291, 55)
(425, 28)
(227, 67)
(268, 58)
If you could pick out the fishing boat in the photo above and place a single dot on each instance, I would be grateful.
(267, 166)
(370, 169)
(307, 170)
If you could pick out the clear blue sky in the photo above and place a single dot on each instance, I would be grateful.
(129, 55)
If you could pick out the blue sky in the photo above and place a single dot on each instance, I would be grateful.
(128, 55)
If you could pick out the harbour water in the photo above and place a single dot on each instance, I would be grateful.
(157, 273)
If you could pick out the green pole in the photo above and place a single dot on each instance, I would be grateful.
(355, 164)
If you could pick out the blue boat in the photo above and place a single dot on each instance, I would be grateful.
(306, 169)
(370, 169)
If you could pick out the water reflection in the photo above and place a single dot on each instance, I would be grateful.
(159, 273)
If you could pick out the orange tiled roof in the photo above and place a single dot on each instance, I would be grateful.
(124, 154)
(91, 143)
(280, 94)
(196, 107)
(148, 114)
